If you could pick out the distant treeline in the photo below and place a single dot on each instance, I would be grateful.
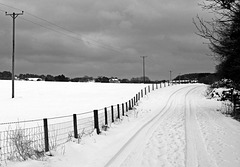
(6, 75)
(207, 78)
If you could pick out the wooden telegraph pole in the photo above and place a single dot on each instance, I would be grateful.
(14, 16)
(143, 57)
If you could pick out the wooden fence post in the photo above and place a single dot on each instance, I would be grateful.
(126, 106)
(75, 130)
(96, 123)
(145, 90)
(234, 104)
(123, 109)
(118, 110)
(112, 110)
(106, 116)
(129, 104)
(46, 139)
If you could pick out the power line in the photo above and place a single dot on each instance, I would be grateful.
(55, 30)
(60, 32)
(90, 41)
(52, 29)
(2, 10)
(9, 6)
(95, 43)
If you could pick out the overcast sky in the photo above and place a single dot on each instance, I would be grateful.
(104, 37)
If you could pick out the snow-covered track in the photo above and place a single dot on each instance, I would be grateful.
(196, 149)
(132, 151)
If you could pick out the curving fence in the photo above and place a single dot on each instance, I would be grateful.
(42, 135)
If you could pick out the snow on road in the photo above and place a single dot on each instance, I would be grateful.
(175, 127)
(187, 131)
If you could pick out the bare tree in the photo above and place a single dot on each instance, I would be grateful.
(223, 34)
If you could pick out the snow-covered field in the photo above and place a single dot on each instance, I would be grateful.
(36, 100)
(176, 126)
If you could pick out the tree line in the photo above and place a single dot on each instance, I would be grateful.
(6, 75)
(206, 78)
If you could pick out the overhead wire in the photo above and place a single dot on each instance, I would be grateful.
(51, 29)
(42, 20)
(61, 27)
(88, 40)
(2, 10)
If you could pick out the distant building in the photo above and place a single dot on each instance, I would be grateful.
(34, 79)
(114, 80)
(184, 81)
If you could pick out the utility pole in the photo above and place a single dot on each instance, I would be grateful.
(143, 57)
(14, 16)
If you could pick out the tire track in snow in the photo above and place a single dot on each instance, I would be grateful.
(134, 146)
(196, 149)
(166, 147)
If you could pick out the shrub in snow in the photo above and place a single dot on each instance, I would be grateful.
(80, 135)
(118, 121)
(222, 90)
(24, 147)
(105, 127)
(219, 93)
(225, 91)
(224, 83)
(135, 111)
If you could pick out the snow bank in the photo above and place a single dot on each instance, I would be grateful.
(218, 93)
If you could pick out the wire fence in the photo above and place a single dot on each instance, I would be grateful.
(231, 103)
(227, 107)
(20, 134)
(42, 135)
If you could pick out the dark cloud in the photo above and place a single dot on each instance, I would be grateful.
(104, 37)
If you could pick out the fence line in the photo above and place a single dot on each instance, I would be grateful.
(231, 103)
(52, 132)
